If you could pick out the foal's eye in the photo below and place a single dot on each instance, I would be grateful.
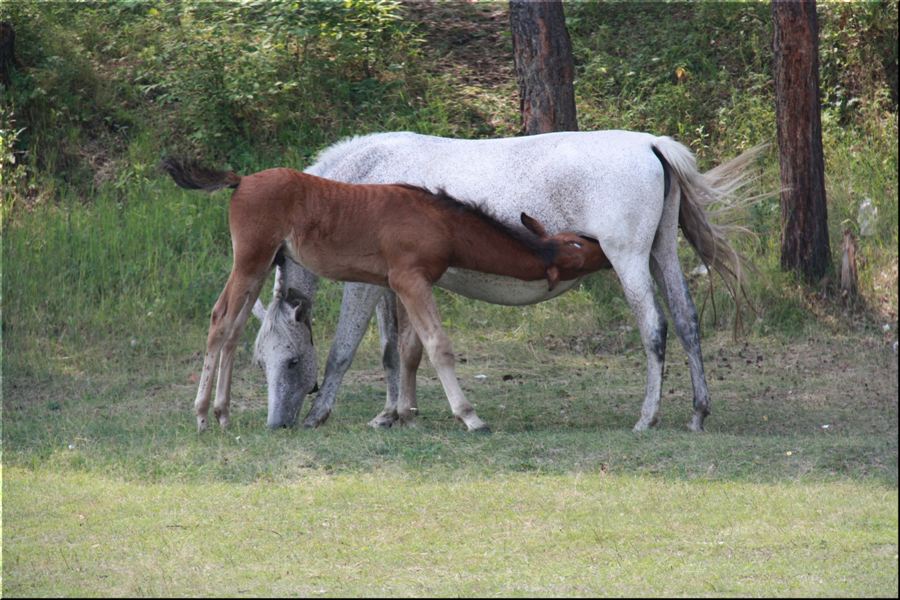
(576, 244)
(293, 362)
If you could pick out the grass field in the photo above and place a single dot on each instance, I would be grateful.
(108, 490)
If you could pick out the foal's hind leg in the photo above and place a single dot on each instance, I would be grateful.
(415, 293)
(226, 322)
(243, 303)
(214, 341)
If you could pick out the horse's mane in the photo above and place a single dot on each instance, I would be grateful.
(440, 197)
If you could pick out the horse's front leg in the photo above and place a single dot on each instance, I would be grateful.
(410, 357)
(386, 315)
(415, 293)
(357, 305)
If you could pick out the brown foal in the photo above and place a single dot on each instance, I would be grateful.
(398, 236)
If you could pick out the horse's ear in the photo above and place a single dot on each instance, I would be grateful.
(301, 304)
(259, 311)
(278, 289)
(533, 225)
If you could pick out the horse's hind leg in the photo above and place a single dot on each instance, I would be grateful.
(634, 273)
(670, 279)
(415, 294)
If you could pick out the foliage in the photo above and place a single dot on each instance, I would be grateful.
(228, 81)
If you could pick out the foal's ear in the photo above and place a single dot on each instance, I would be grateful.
(533, 225)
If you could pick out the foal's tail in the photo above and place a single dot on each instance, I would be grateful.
(705, 227)
(192, 176)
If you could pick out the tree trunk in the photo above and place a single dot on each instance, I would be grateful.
(849, 277)
(804, 219)
(7, 51)
(545, 69)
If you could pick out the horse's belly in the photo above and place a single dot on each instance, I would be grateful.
(500, 290)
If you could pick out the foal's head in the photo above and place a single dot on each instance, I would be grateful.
(576, 255)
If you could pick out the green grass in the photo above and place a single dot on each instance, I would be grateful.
(108, 489)
(399, 534)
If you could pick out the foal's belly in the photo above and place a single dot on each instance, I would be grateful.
(500, 290)
(330, 263)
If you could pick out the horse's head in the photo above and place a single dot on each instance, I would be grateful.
(576, 255)
(284, 350)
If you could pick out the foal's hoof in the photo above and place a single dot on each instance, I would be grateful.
(222, 417)
(483, 430)
(383, 421)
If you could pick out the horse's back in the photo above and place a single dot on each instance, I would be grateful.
(561, 178)
(606, 184)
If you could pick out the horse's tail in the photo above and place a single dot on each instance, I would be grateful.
(706, 227)
(192, 176)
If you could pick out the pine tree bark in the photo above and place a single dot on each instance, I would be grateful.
(7, 51)
(804, 220)
(545, 69)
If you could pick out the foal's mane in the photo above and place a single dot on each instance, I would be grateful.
(544, 250)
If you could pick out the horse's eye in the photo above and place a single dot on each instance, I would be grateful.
(576, 244)
(293, 362)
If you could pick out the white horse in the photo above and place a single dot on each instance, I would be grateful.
(630, 191)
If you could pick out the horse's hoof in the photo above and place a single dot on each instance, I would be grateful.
(484, 430)
(314, 422)
(695, 426)
(645, 424)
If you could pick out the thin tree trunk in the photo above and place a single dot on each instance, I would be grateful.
(545, 69)
(7, 51)
(804, 220)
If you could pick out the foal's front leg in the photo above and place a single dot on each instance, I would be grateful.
(415, 293)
